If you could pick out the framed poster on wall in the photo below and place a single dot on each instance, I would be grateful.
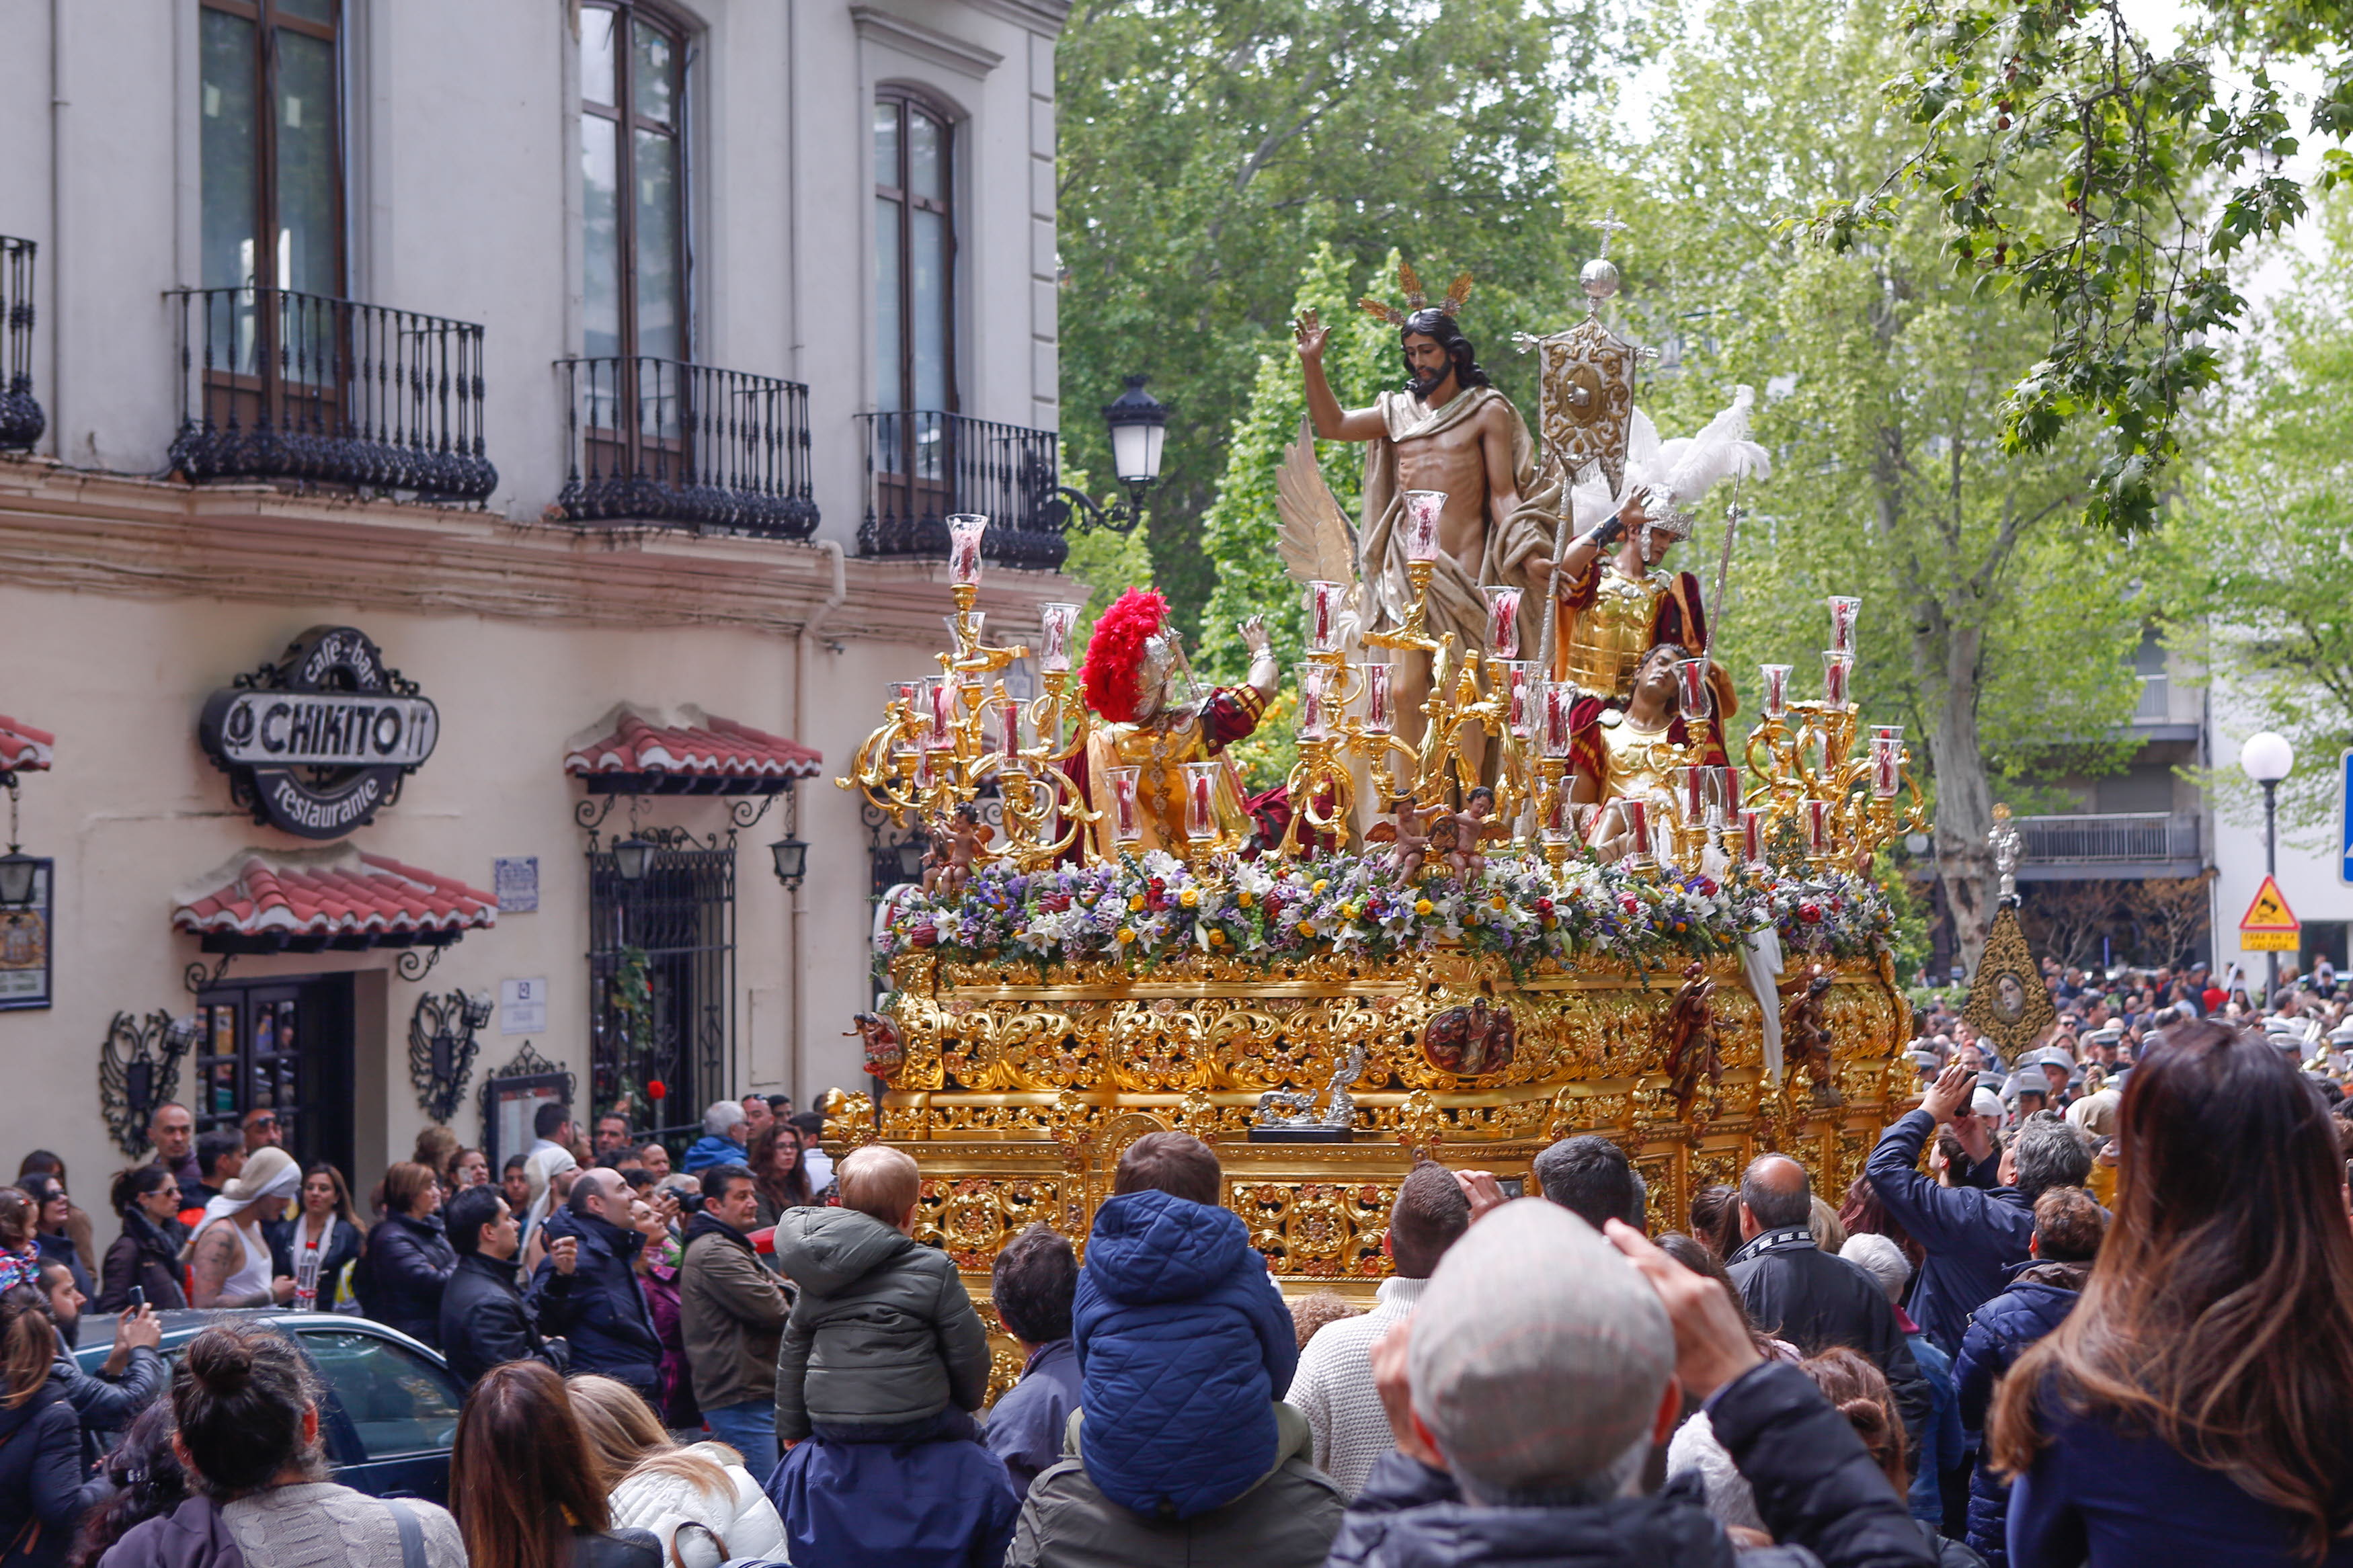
(25, 978)
(511, 1096)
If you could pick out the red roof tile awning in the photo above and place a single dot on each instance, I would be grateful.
(341, 898)
(641, 751)
(23, 749)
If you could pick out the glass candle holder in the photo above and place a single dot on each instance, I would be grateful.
(1520, 687)
(1752, 835)
(1200, 811)
(1723, 790)
(1055, 623)
(1886, 764)
(1844, 612)
(1559, 703)
(1837, 680)
(963, 629)
(940, 708)
(1776, 689)
(1690, 688)
(964, 529)
(907, 698)
(1324, 602)
(1559, 815)
(1503, 623)
(1380, 716)
(1314, 720)
(1816, 817)
(1009, 716)
(1126, 819)
(1636, 814)
(1421, 511)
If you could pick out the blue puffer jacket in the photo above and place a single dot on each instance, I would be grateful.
(2036, 1302)
(713, 1149)
(1184, 1346)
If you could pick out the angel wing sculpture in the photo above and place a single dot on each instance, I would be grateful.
(1314, 536)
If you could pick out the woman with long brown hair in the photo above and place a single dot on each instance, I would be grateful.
(40, 1436)
(2198, 1404)
(523, 1485)
(777, 1174)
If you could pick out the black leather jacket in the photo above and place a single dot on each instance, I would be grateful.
(485, 1321)
(409, 1262)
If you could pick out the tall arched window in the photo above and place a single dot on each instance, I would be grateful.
(914, 256)
(633, 179)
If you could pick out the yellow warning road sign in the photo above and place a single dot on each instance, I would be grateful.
(2269, 925)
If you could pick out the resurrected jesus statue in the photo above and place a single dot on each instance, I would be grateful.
(1449, 430)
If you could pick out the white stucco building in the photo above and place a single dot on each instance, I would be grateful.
(606, 366)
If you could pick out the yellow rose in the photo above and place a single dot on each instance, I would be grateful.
(1126, 935)
(1244, 899)
(1423, 906)
(1497, 901)
(1136, 902)
(1307, 928)
(1190, 897)
(1320, 885)
(1216, 939)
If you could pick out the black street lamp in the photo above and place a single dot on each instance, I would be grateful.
(633, 856)
(18, 869)
(791, 856)
(1138, 424)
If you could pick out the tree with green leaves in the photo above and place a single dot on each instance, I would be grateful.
(2166, 165)
(1208, 147)
(2255, 572)
(1994, 628)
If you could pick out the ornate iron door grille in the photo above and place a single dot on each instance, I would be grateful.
(681, 915)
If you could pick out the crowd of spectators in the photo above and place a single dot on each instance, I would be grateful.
(1981, 1354)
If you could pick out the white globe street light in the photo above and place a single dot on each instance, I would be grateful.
(2267, 758)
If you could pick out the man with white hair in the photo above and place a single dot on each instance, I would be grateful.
(1537, 1372)
(1944, 1456)
(724, 1141)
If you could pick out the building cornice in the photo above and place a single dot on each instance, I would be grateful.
(1042, 16)
(74, 531)
(925, 43)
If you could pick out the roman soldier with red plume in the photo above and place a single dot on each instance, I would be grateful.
(1156, 719)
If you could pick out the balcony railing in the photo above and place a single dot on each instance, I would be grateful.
(21, 419)
(276, 384)
(920, 466)
(2155, 700)
(2108, 836)
(656, 440)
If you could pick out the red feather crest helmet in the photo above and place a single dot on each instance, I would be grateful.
(1115, 653)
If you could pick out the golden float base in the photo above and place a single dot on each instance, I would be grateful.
(1018, 1091)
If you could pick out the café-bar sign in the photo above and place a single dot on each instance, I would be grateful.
(315, 743)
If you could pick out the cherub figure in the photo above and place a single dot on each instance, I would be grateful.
(1691, 1038)
(1457, 835)
(1406, 836)
(884, 1052)
(956, 842)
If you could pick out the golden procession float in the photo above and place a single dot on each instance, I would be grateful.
(1515, 888)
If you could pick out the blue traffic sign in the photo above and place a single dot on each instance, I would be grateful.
(2345, 817)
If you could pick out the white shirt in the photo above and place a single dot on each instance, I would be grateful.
(1334, 1387)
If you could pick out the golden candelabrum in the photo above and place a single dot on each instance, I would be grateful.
(1845, 803)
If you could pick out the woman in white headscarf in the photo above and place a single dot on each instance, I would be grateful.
(230, 1259)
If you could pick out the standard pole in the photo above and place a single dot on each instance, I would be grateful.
(2271, 869)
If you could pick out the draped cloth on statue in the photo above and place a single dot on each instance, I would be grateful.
(1161, 748)
(1455, 603)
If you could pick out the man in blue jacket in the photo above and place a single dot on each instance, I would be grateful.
(723, 1140)
(603, 1316)
(1972, 1236)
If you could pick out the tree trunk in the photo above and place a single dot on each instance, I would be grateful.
(1963, 799)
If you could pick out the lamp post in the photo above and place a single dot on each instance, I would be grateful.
(791, 857)
(633, 856)
(1138, 424)
(18, 870)
(2267, 758)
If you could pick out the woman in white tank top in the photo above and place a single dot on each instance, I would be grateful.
(228, 1258)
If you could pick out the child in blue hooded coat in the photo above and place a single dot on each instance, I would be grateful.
(1184, 1341)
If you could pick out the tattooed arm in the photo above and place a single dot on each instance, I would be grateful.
(218, 1253)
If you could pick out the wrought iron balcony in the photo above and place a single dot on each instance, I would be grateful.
(656, 440)
(923, 465)
(276, 384)
(21, 419)
(2108, 838)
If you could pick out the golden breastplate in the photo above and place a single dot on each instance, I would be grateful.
(1610, 638)
(1638, 762)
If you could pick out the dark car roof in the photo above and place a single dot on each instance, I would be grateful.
(181, 1324)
